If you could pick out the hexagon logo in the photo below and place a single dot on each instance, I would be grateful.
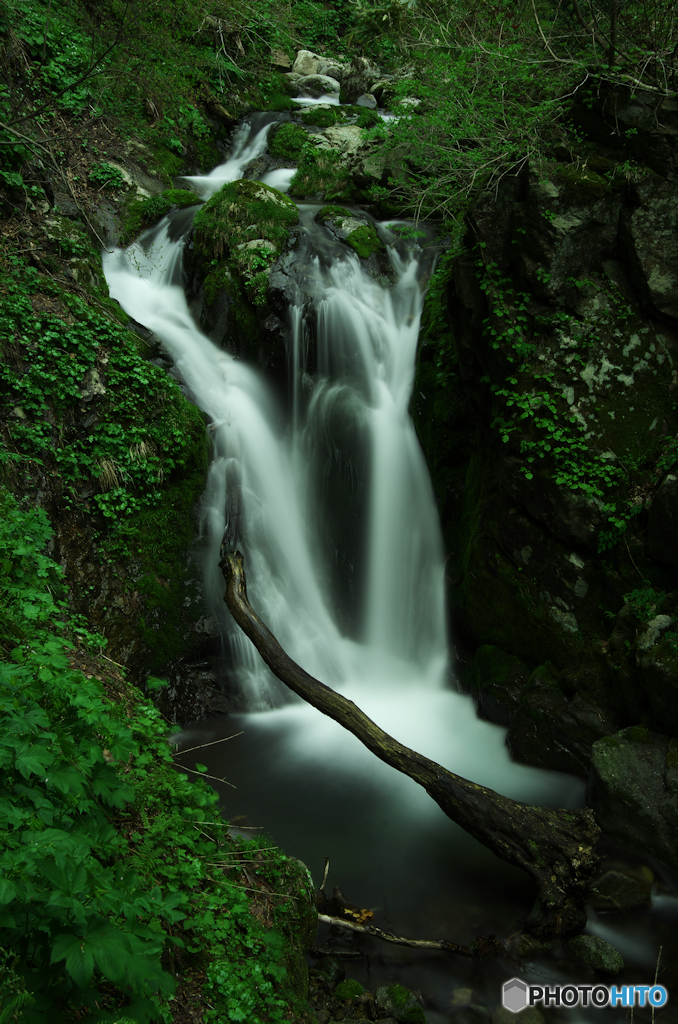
(514, 995)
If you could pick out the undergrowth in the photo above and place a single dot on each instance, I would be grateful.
(118, 877)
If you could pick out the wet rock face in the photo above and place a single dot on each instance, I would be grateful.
(633, 790)
(556, 527)
(318, 85)
(237, 239)
(650, 240)
(358, 79)
(549, 730)
(662, 527)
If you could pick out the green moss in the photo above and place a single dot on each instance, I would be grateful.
(637, 734)
(367, 118)
(322, 172)
(415, 1015)
(142, 213)
(398, 995)
(323, 118)
(672, 755)
(583, 182)
(365, 241)
(287, 142)
(349, 989)
(240, 212)
(330, 212)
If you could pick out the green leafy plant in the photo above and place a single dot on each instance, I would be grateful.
(112, 864)
(107, 176)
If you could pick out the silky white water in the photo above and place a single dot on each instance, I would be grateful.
(331, 504)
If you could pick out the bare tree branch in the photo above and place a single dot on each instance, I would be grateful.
(556, 847)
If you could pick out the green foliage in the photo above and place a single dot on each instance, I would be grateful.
(144, 431)
(13, 994)
(29, 580)
(108, 855)
(646, 600)
(107, 176)
(287, 142)
(142, 213)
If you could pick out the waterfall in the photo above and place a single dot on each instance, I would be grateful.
(330, 502)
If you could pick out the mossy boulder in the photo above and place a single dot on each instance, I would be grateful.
(142, 213)
(356, 231)
(633, 790)
(240, 212)
(322, 116)
(237, 237)
(364, 241)
(596, 953)
(287, 141)
(348, 989)
(617, 890)
(401, 1004)
(323, 173)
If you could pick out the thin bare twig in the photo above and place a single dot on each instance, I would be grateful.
(190, 750)
(398, 940)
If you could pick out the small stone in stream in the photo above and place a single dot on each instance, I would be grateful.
(616, 890)
(401, 1003)
(331, 969)
(596, 953)
(366, 100)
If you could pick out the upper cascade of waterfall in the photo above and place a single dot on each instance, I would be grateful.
(334, 509)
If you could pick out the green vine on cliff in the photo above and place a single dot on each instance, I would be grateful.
(545, 431)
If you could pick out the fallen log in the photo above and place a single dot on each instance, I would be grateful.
(555, 847)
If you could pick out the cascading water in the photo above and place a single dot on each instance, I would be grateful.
(333, 509)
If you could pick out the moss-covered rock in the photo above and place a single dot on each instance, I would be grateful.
(240, 212)
(323, 174)
(287, 141)
(365, 241)
(142, 213)
(616, 890)
(596, 953)
(633, 790)
(323, 116)
(400, 1003)
(237, 237)
(348, 989)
